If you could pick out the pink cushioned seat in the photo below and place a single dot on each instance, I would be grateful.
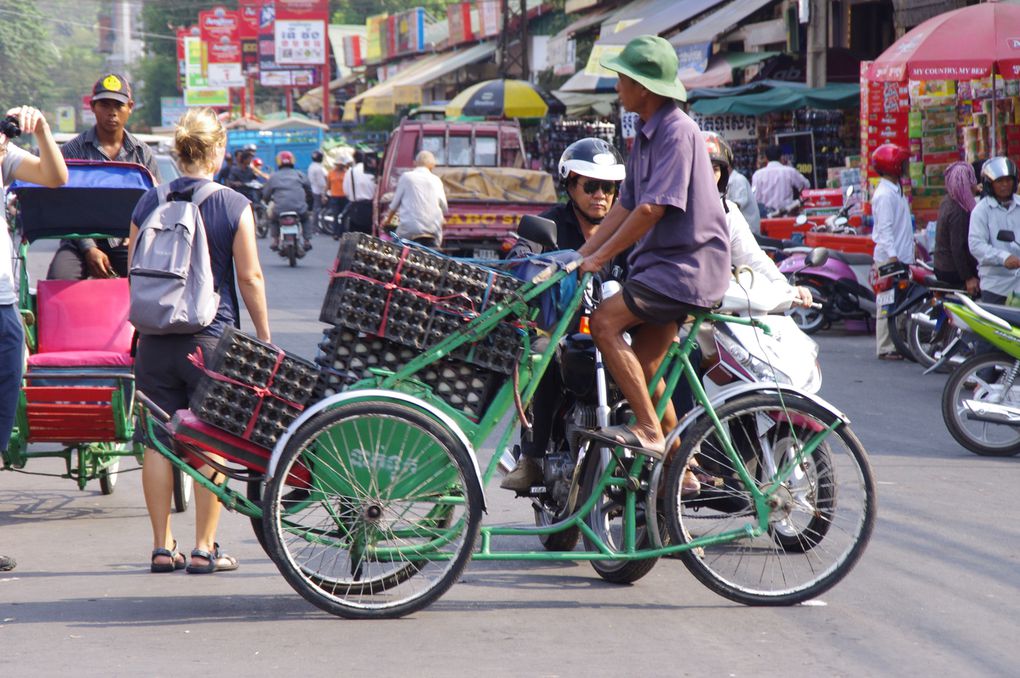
(83, 323)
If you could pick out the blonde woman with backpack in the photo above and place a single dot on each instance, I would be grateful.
(162, 370)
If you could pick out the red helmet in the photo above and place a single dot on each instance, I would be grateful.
(284, 158)
(889, 159)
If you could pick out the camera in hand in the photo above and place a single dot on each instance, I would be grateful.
(9, 127)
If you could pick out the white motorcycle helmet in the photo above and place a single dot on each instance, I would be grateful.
(592, 158)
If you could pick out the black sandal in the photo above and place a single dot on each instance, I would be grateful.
(217, 561)
(178, 561)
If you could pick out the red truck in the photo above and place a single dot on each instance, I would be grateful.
(482, 167)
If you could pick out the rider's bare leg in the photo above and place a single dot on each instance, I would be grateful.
(628, 363)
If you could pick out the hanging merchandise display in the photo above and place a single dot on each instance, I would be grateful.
(556, 134)
(940, 122)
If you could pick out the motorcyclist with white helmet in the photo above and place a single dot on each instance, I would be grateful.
(998, 210)
(590, 171)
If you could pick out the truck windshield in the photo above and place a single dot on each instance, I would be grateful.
(458, 152)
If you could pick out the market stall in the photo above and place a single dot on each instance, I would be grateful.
(817, 127)
(945, 98)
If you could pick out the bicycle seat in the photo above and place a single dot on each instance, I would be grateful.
(852, 258)
(83, 323)
(1010, 314)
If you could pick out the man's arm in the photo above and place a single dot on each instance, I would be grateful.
(882, 231)
(979, 238)
(49, 168)
(636, 223)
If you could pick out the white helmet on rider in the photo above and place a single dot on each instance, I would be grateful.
(592, 158)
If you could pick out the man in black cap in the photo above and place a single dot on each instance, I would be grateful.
(107, 140)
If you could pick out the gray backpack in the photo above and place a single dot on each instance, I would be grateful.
(172, 288)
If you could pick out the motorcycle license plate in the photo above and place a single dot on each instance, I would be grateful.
(885, 298)
(288, 229)
(487, 254)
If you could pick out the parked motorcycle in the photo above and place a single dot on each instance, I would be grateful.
(835, 285)
(910, 289)
(290, 243)
(981, 399)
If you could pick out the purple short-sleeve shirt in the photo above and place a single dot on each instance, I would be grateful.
(686, 255)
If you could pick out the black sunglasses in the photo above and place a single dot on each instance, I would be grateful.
(591, 186)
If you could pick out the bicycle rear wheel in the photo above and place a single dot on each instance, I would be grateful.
(373, 511)
(820, 517)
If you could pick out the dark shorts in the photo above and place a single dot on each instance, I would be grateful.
(652, 307)
(164, 373)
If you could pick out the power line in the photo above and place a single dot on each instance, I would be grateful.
(92, 25)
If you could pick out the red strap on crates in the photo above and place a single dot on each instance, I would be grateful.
(198, 361)
(394, 284)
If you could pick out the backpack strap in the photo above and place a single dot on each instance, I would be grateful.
(162, 191)
(199, 196)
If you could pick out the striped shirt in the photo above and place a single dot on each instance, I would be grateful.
(86, 146)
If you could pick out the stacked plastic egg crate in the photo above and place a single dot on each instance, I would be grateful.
(411, 298)
(231, 406)
(346, 356)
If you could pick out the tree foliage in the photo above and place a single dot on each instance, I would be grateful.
(25, 52)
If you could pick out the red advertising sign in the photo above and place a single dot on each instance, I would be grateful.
(220, 29)
(458, 16)
(248, 14)
(302, 10)
(354, 51)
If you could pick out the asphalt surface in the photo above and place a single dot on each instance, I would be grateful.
(935, 592)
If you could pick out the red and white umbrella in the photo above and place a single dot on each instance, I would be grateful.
(963, 44)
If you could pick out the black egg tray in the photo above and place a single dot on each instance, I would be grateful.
(346, 356)
(220, 402)
(360, 299)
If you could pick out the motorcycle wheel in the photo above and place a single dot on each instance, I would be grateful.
(810, 320)
(564, 540)
(292, 254)
(980, 378)
(261, 222)
(927, 342)
(606, 520)
(899, 326)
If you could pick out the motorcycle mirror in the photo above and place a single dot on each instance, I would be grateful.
(817, 257)
(840, 221)
(1005, 236)
(538, 230)
(800, 220)
(849, 191)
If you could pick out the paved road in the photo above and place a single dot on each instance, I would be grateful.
(936, 590)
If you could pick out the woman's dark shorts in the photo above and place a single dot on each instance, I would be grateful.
(652, 307)
(164, 373)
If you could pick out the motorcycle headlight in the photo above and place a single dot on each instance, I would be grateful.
(757, 368)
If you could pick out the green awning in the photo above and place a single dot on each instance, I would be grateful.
(835, 95)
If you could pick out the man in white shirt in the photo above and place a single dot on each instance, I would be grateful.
(359, 187)
(776, 185)
(359, 184)
(893, 230)
(738, 190)
(47, 169)
(420, 200)
(317, 178)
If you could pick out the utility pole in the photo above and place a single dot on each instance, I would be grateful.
(513, 41)
(817, 42)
